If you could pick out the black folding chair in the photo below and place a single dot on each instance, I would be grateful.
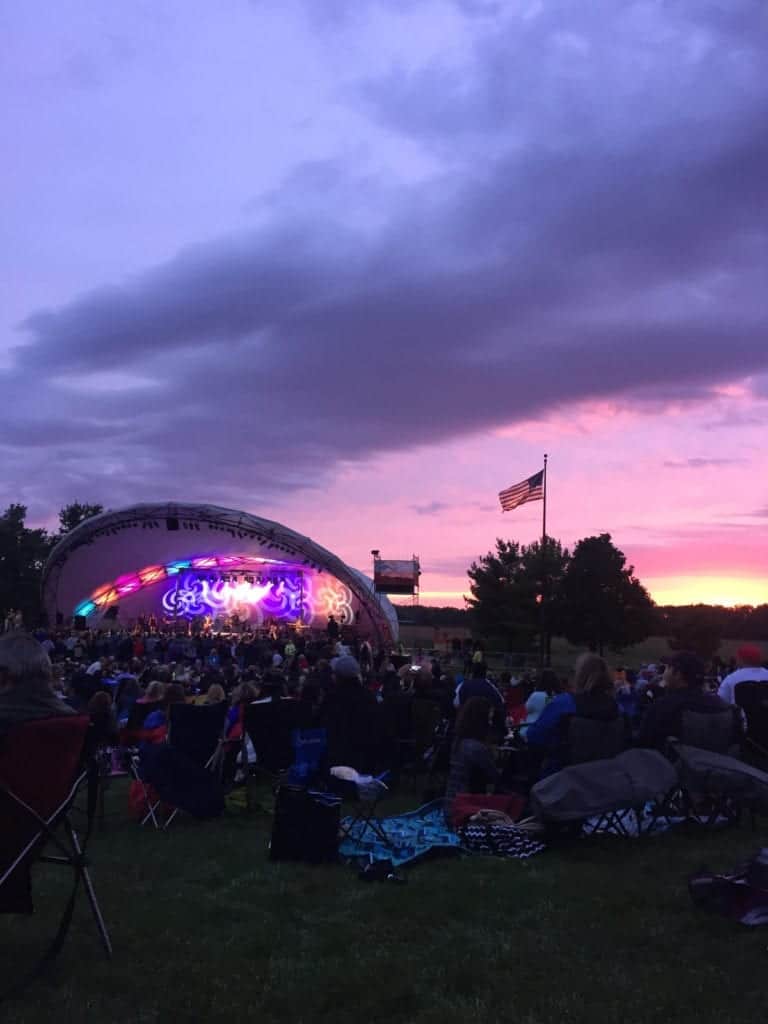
(751, 697)
(588, 739)
(697, 801)
(43, 765)
(197, 733)
(269, 726)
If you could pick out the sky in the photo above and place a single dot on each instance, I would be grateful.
(356, 265)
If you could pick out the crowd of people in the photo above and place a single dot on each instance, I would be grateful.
(380, 708)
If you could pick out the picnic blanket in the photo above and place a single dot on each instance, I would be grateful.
(412, 836)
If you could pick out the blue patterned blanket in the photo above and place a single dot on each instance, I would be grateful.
(411, 836)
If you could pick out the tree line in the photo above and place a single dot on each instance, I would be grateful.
(522, 595)
(23, 553)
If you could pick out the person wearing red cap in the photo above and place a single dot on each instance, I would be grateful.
(749, 658)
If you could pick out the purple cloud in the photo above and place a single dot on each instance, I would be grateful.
(578, 238)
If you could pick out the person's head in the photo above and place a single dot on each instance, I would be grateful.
(244, 693)
(174, 694)
(548, 681)
(215, 694)
(100, 703)
(23, 661)
(478, 670)
(155, 691)
(592, 675)
(684, 670)
(422, 679)
(473, 721)
(346, 669)
(749, 656)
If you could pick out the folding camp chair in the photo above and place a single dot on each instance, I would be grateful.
(437, 757)
(365, 798)
(132, 732)
(752, 697)
(196, 733)
(43, 764)
(697, 801)
(718, 787)
(715, 731)
(269, 725)
(588, 739)
(604, 795)
(130, 737)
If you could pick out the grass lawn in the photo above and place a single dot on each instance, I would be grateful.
(205, 928)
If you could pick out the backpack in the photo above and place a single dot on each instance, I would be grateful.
(306, 826)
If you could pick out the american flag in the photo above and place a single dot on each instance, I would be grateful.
(531, 489)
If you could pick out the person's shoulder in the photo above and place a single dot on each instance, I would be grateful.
(563, 701)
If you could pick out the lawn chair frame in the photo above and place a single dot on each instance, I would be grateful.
(72, 852)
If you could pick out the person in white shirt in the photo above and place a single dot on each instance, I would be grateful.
(749, 659)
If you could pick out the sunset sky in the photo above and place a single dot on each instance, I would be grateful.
(355, 265)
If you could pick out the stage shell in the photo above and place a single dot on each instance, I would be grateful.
(181, 562)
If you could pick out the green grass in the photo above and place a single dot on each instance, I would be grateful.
(205, 928)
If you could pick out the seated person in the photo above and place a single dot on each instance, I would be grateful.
(472, 765)
(590, 696)
(126, 695)
(25, 682)
(514, 694)
(547, 685)
(155, 724)
(103, 718)
(215, 694)
(683, 691)
(749, 660)
(154, 692)
(352, 719)
(241, 695)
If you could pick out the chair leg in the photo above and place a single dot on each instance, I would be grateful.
(152, 807)
(171, 817)
(85, 874)
(102, 812)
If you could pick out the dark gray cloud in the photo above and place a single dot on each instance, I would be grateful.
(588, 236)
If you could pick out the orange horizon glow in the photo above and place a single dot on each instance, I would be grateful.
(728, 591)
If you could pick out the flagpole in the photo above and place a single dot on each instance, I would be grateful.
(544, 509)
(543, 644)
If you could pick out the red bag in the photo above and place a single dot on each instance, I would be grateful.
(137, 801)
(466, 804)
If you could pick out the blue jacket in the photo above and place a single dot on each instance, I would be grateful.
(546, 731)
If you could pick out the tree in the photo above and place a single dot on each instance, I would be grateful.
(601, 602)
(72, 515)
(698, 631)
(22, 557)
(509, 588)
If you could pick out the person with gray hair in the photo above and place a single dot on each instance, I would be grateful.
(25, 682)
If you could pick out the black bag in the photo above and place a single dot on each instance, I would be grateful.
(741, 895)
(306, 826)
